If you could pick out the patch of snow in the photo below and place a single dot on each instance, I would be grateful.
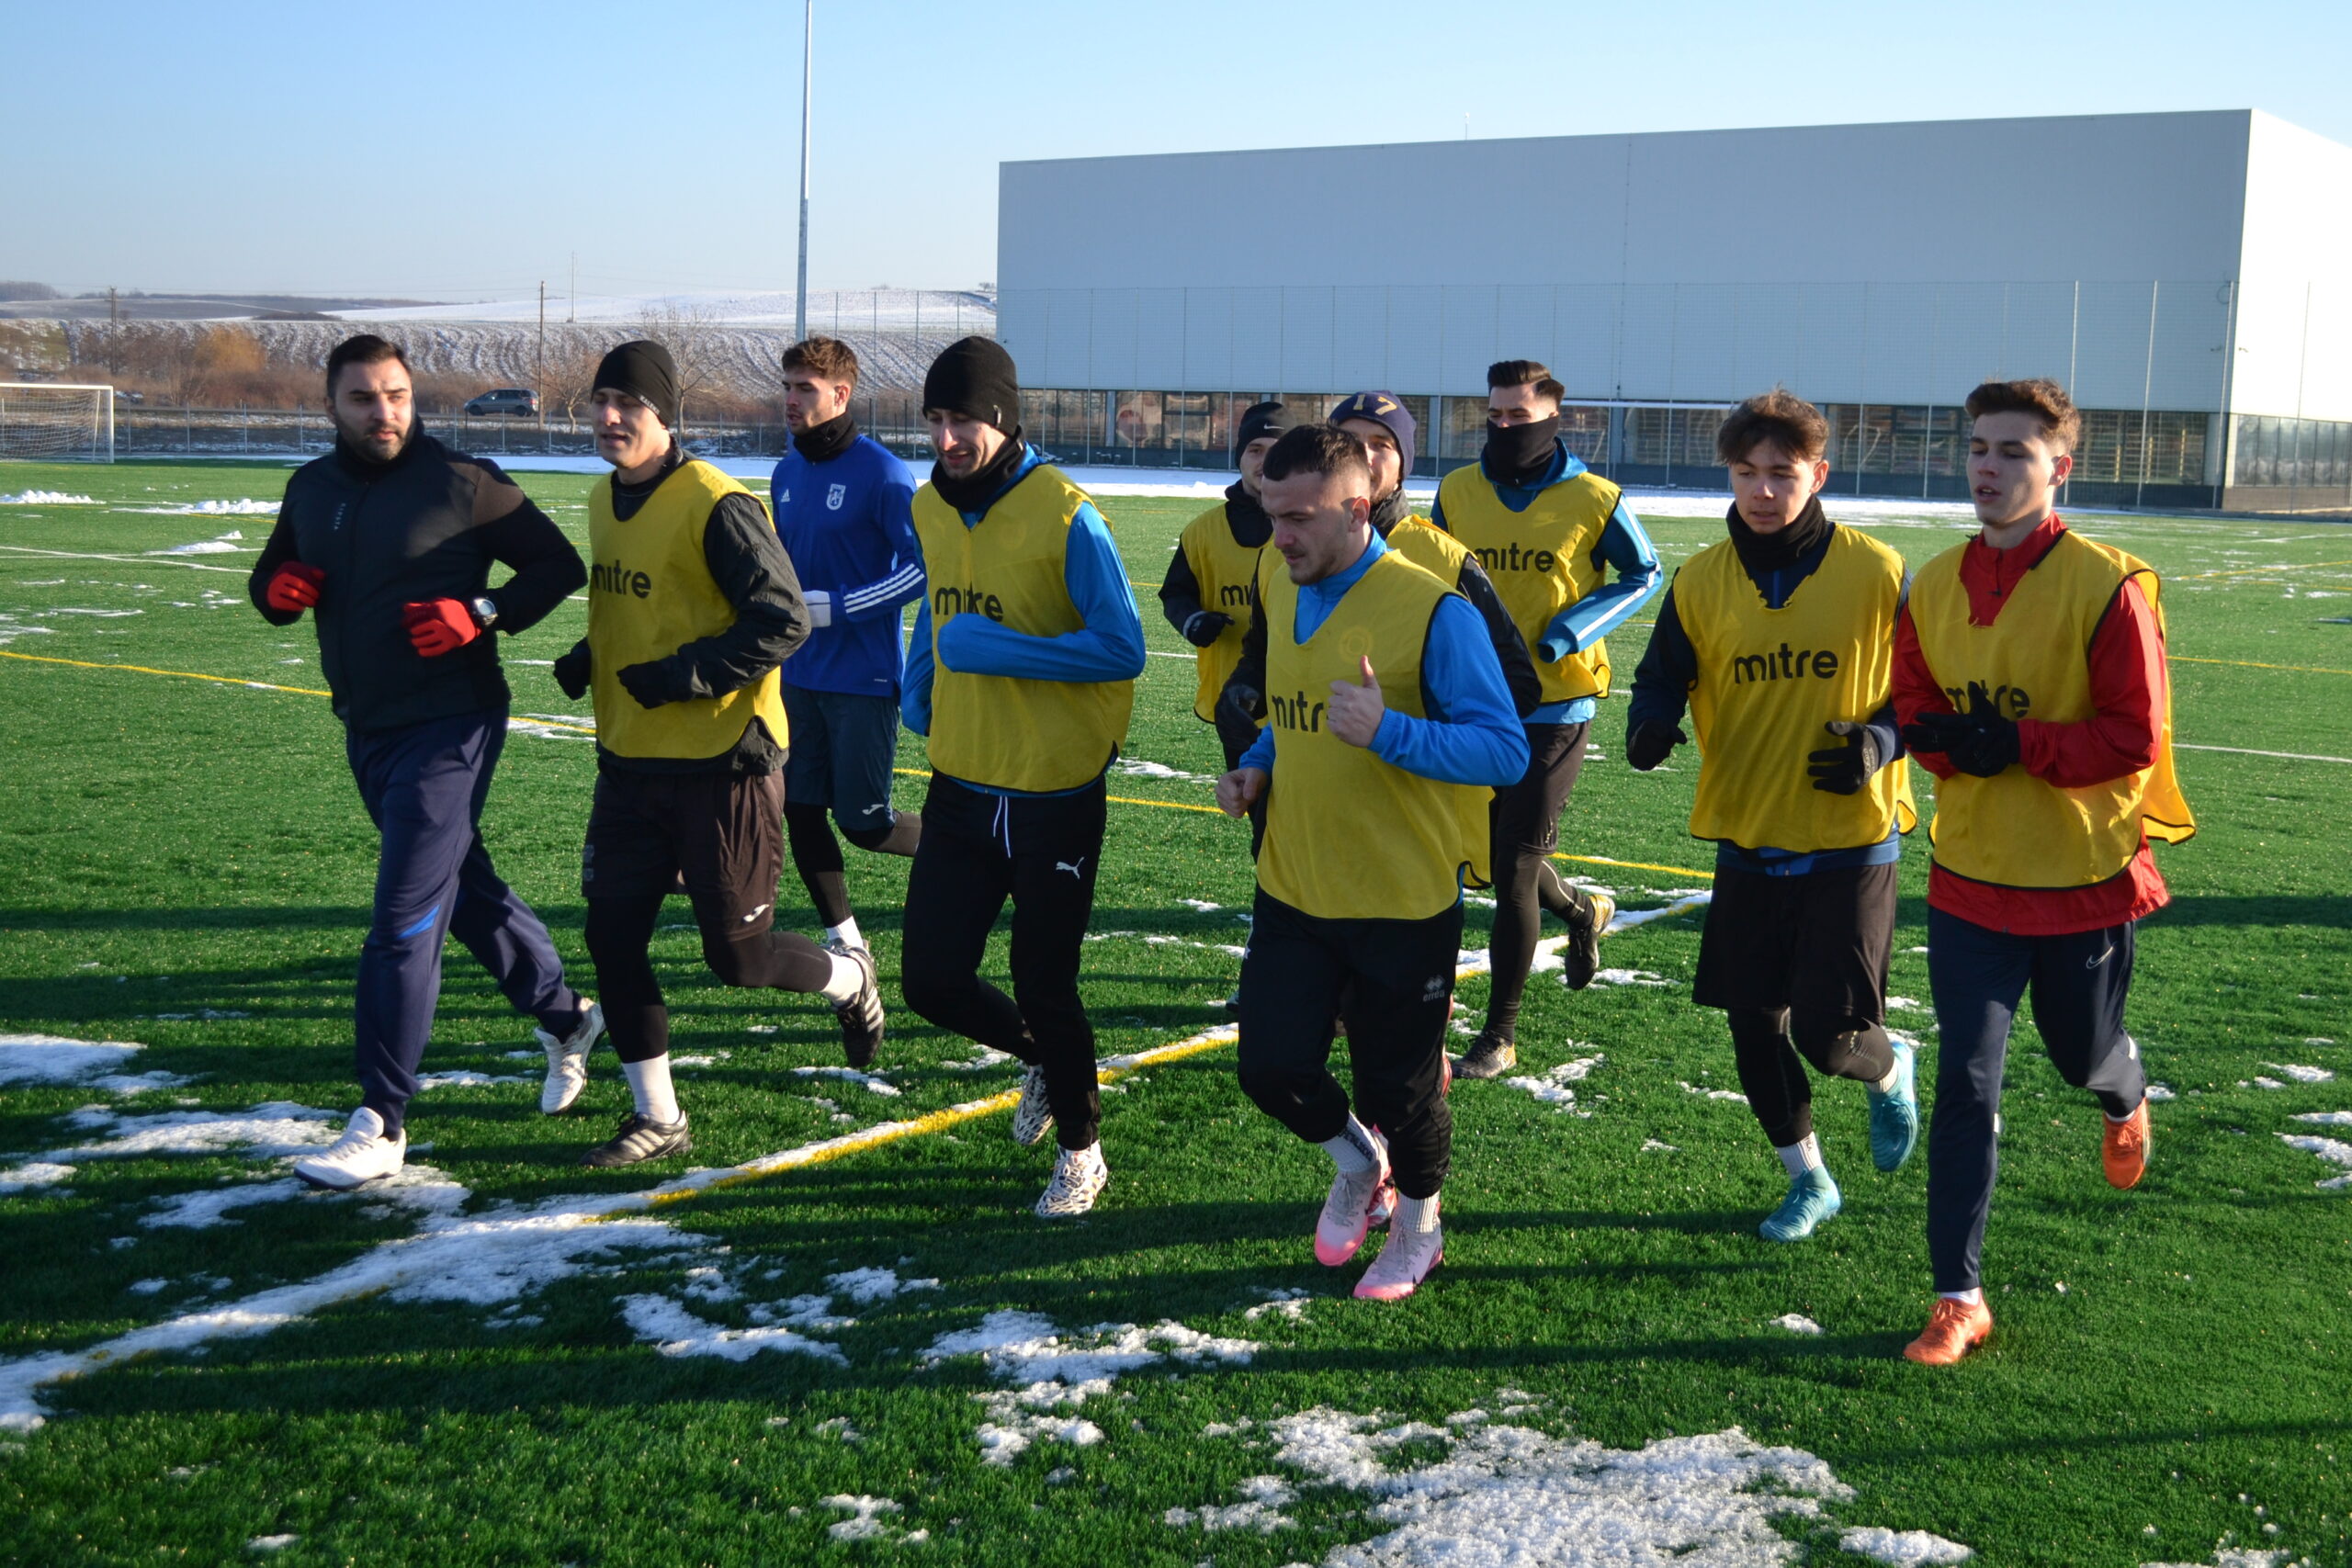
(1136, 767)
(271, 1542)
(1652, 1147)
(28, 1178)
(244, 506)
(1714, 1093)
(1629, 977)
(2328, 1149)
(849, 1075)
(866, 1286)
(48, 1059)
(1797, 1323)
(983, 1058)
(2317, 1039)
(1552, 1087)
(470, 1081)
(2301, 1072)
(866, 1521)
(1262, 1498)
(833, 1427)
(2327, 1118)
(1628, 919)
(1201, 905)
(1290, 1303)
(47, 498)
(2158, 1091)
(228, 543)
(674, 1331)
(1901, 1547)
(278, 1127)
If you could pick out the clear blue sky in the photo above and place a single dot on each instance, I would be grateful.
(468, 150)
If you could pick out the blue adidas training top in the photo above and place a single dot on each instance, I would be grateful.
(848, 525)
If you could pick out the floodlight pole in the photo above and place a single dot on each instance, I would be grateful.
(807, 76)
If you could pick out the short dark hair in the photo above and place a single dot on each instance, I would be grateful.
(1526, 372)
(365, 349)
(1323, 449)
(2038, 396)
(1779, 417)
(829, 357)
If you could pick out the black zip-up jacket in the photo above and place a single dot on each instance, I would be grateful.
(425, 525)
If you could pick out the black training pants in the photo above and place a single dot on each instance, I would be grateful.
(2079, 983)
(1041, 851)
(1524, 826)
(1397, 978)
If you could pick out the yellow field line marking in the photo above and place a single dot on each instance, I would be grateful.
(181, 674)
(1638, 866)
(2250, 664)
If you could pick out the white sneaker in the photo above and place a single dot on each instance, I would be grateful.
(361, 1155)
(1079, 1176)
(567, 1059)
(1035, 1114)
(1403, 1264)
(1347, 1211)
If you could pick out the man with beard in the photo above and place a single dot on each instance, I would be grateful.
(388, 540)
(1021, 673)
(1548, 531)
(842, 505)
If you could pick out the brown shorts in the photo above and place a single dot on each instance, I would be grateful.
(721, 833)
(1821, 941)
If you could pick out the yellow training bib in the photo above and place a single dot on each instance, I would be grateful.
(1002, 730)
(1769, 680)
(1224, 569)
(651, 592)
(1349, 837)
(2014, 829)
(1542, 560)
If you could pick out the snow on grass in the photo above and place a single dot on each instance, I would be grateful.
(2328, 1149)
(271, 1542)
(2301, 1072)
(48, 1059)
(1136, 767)
(243, 506)
(866, 1286)
(674, 1331)
(866, 1522)
(228, 543)
(32, 1177)
(470, 1081)
(1281, 1303)
(277, 1127)
(47, 498)
(849, 1075)
(417, 1186)
(1714, 1093)
(2327, 1118)
(1797, 1322)
(1262, 1498)
(1500, 1494)
(1552, 1087)
(1626, 920)
(1902, 1548)
(1629, 977)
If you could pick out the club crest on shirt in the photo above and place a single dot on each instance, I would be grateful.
(1356, 642)
(833, 497)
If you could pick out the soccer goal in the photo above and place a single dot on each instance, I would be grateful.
(56, 421)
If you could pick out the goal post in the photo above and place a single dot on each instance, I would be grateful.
(56, 422)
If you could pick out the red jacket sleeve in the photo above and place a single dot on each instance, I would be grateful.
(2126, 659)
(1916, 690)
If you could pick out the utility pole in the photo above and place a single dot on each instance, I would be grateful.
(541, 390)
(114, 332)
(807, 78)
(572, 312)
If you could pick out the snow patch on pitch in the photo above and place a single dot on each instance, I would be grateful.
(275, 1127)
(849, 1075)
(47, 498)
(1554, 1087)
(244, 506)
(228, 543)
(2329, 1149)
(674, 1331)
(49, 1058)
(1495, 1492)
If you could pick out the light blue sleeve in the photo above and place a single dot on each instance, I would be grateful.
(1261, 754)
(914, 681)
(1626, 546)
(1472, 735)
(1107, 646)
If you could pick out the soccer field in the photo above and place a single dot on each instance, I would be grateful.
(872, 1347)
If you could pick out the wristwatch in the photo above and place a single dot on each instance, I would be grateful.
(485, 612)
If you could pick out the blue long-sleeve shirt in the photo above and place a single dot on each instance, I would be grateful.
(848, 525)
(1624, 548)
(1108, 646)
(1471, 735)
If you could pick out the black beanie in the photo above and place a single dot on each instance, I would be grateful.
(1259, 421)
(973, 376)
(1383, 408)
(645, 371)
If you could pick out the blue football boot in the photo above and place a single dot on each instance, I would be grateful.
(1895, 1115)
(1811, 1199)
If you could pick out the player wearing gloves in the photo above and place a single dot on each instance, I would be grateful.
(1802, 786)
(1021, 673)
(691, 606)
(1547, 531)
(389, 541)
(842, 511)
(2029, 679)
(1387, 708)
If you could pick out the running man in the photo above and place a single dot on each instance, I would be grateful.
(389, 541)
(1802, 786)
(691, 606)
(842, 510)
(1386, 704)
(1206, 593)
(2029, 679)
(1021, 673)
(1547, 530)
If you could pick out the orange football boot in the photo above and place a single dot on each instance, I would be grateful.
(2123, 1148)
(1953, 1329)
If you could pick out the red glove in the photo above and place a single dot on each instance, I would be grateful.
(293, 588)
(438, 625)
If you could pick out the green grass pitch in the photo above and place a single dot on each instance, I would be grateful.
(184, 864)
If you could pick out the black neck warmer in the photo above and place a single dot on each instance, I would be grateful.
(822, 442)
(980, 487)
(1251, 527)
(1782, 549)
(1518, 454)
(1389, 511)
(360, 465)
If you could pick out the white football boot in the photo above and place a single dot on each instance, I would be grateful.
(1079, 1176)
(1416, 1245)
(567, 1059)
(361, 1155)
(1035, 1114)
(1349, 1208)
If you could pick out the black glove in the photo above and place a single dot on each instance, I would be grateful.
(1237, 711)
(1203, 627)
(573, 669)
(1982, 742)
(648, 683)
(1651, 742)
(1844, 769)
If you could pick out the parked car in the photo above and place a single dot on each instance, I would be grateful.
(516, 401)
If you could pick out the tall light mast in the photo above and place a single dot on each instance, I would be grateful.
(807, 77)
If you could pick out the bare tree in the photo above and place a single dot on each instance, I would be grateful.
(689, 333)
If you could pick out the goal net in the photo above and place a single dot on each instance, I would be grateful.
(55, 420)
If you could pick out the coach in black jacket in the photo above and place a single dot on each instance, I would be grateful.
(388, 540)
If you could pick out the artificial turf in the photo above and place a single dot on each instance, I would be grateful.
(184, 863)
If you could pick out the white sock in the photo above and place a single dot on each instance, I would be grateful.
(1886, 1084)
(848, 979)
(1416, 1216)
(1974, 1295)
(1800, 1156)
(846, 933)
(1354, 1151)
(2127, 1116)
(648, 1083)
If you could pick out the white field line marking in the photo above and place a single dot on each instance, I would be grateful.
(129, 561)
(2246, 751)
